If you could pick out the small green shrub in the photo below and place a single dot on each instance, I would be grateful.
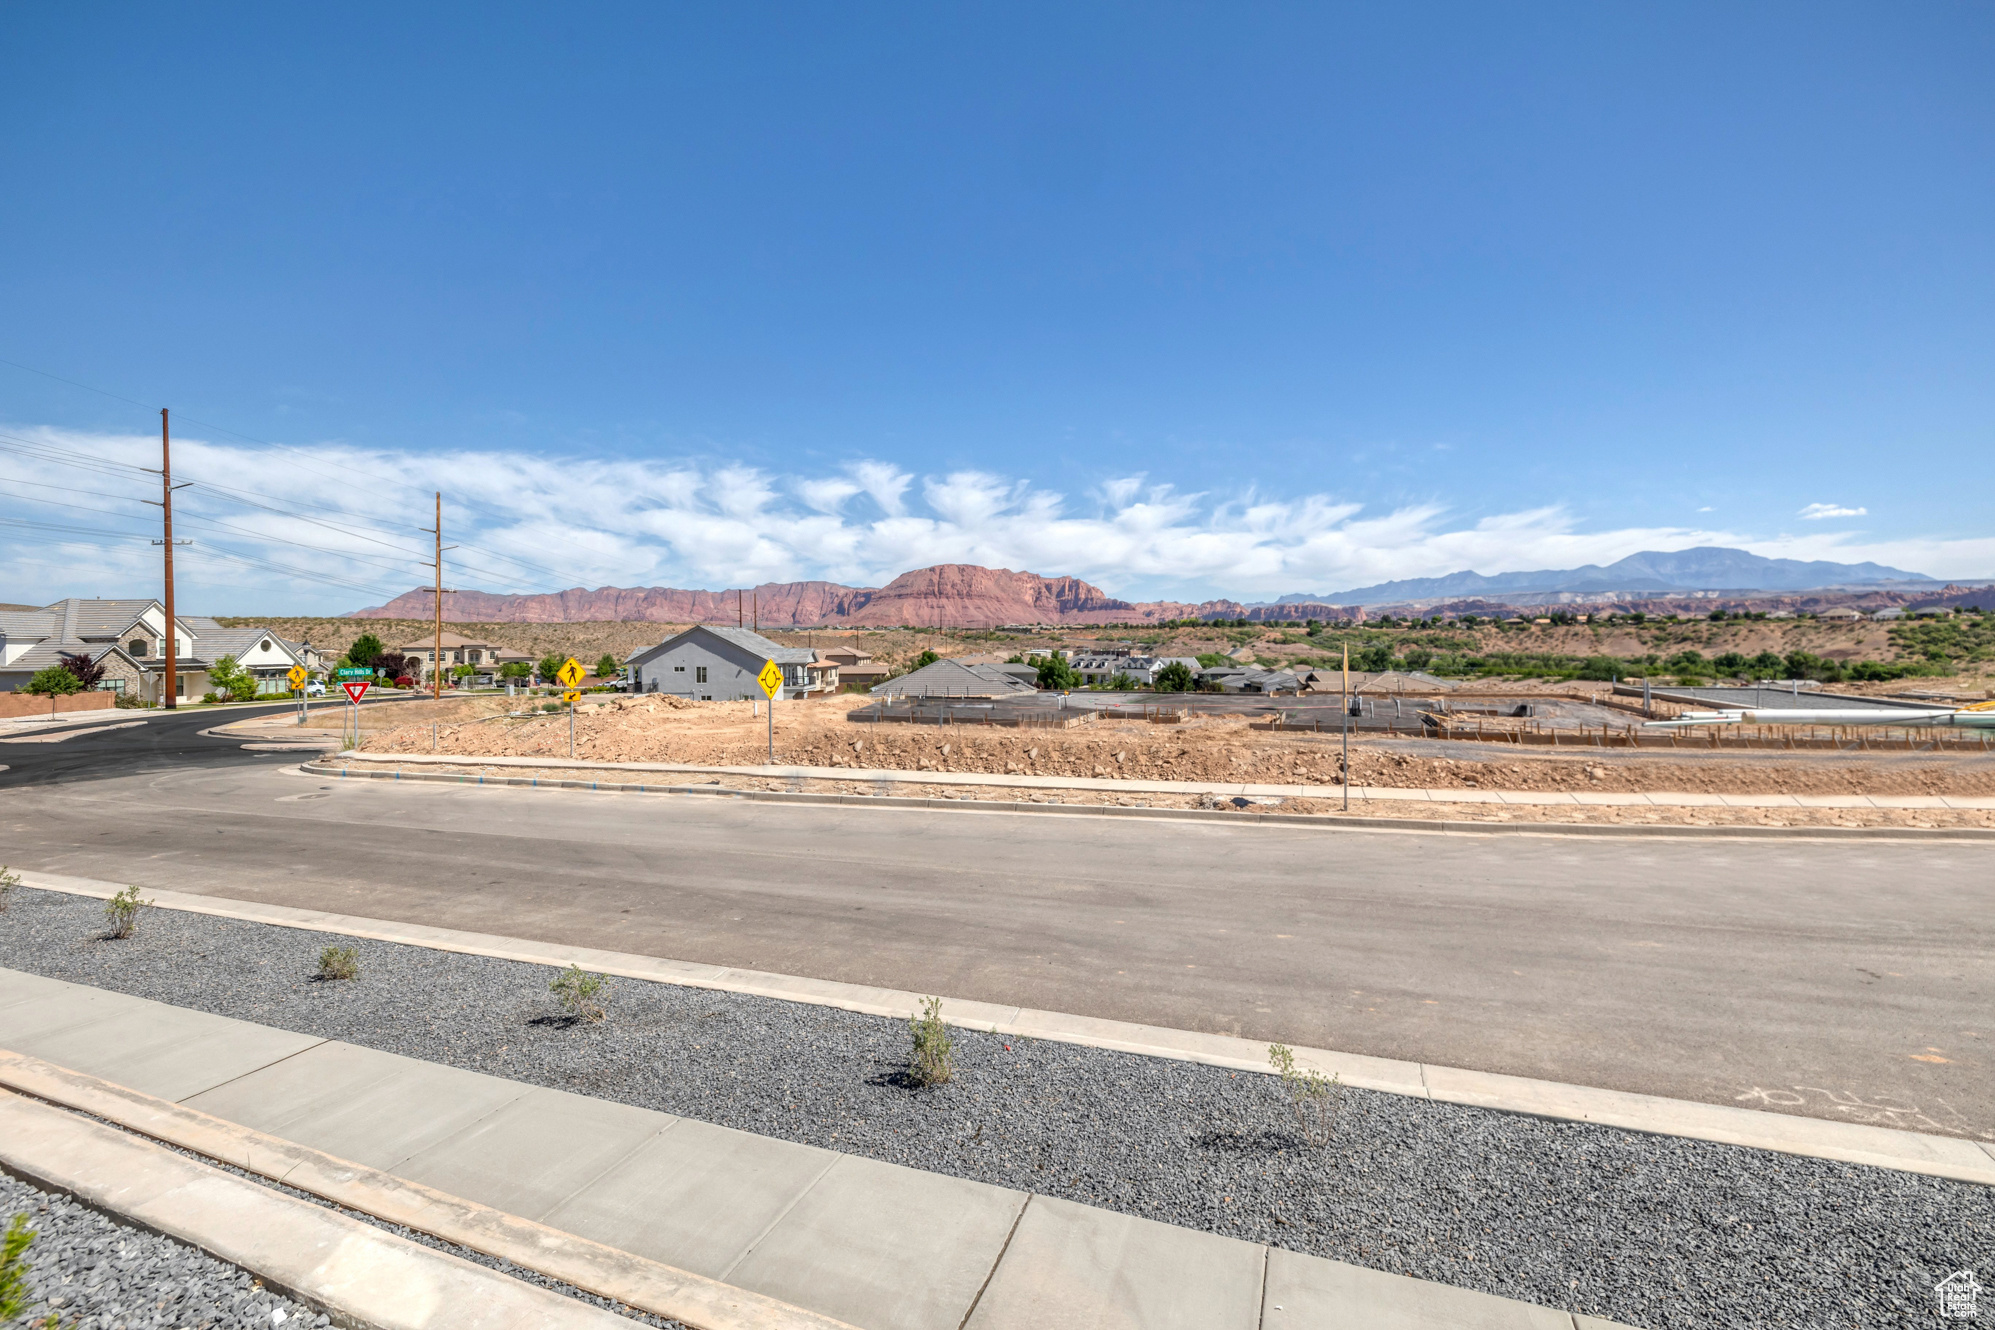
(8, 881)
(930, 1064)
(578, 990)
(53, 681)
(123, 911)
(339, 963)
(1312, 1096)
(14, 1301)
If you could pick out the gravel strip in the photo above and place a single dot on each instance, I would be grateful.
(93, 1273)
(1649, 1230)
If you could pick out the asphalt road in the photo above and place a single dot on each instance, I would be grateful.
(1838, 979)
(92, 745)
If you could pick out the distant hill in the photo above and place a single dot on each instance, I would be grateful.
(961, 595)
(950, 594)
(1706, 568)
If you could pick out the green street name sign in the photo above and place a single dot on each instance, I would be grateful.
(352, 672)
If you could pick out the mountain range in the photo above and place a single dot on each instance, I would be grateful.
(1705, 568)
(966, 595)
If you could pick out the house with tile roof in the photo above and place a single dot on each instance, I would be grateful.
(709, 664)
(129, 639)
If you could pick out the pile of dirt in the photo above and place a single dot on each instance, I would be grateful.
(656, 728)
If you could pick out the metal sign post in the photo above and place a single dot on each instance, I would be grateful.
(570, 674)
(771, 679)
(1347, 727)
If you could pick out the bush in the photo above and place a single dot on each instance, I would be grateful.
(8, 881)
(924, 659)
(577, 991)
(123, 912)
(930, 1063)
(607, 666)
(1175, 678)
(54, 681)
(339, 963)
(88, 672)
(1313, 1097)
(14, 1299)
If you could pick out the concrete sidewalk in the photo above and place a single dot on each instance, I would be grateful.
(993, 780)
(874, 1244)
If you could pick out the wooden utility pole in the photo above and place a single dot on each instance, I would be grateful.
(170, 687)
(436, 674)
(436, 647)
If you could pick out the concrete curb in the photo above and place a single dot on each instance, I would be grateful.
(357, 1274)
(1320, 821)
(1114, 785)
(1848, 1142)
(592, 1266)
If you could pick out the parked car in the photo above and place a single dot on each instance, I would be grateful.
(315, 688)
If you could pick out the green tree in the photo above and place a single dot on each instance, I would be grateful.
(1176, 677)
(514, 669)
(364, 649)
(550, 665)
(925, 658)
(606, 668)
(228, 677)
(52, 682)
(1056, 673)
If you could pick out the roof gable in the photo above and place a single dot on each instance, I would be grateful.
(737, 643)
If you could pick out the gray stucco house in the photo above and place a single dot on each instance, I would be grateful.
(718, 665)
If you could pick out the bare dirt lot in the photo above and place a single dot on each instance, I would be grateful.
(1219, 749)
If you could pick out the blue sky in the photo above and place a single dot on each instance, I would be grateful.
(1185, 300)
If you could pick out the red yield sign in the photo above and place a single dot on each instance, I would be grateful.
(355, 690)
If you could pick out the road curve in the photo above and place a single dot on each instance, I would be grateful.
(1833, 979)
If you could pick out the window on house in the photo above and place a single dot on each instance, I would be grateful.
(138, 646)
(264, 645)
(700, 674)
(678, 669)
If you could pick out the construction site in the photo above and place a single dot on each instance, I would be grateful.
(1594, 748)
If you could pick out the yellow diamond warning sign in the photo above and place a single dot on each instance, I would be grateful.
(297, 676)
(770, 678)
(570, 673)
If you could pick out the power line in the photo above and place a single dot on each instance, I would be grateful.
(344, 477)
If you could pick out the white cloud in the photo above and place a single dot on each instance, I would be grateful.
(1815, 512)
(527, 522)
